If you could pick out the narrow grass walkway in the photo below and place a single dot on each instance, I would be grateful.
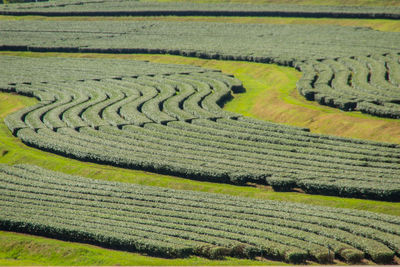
(20, 249)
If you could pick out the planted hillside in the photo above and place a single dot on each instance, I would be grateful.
(168, 119)
(19, 71)
(175, 223)
(138, 8)
(370, 84)
(351, 68)
(265, 43)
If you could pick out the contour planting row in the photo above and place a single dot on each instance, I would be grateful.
(19, 71)
(174, 223)
(173, 123)
(267, 43)
(370, 84)
(138, 8)
(319, 51)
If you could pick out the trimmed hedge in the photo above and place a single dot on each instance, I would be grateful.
(366, 84)
(175, 223)
(136, 8)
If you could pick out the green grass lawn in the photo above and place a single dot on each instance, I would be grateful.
(270, 94)
(21, 249)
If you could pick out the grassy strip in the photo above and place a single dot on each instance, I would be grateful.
(376, 24)
(20, 249)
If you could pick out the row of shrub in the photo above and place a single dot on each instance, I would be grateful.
(174, 223)
(366, 84)
(138, 8)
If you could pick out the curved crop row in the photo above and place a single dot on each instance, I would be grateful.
(334, 59)
(172, 123)
(369, 84)
(175, 223)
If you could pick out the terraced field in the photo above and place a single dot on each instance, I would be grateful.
(313, 49)
(264, 43)
(369, 84)
(188, 8)
(173, 223)
(163, 119)
(169, 120)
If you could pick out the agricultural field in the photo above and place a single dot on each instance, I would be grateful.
(173, 223)
(369, 84)
(112, 125)
(188, 8)
(167, 119)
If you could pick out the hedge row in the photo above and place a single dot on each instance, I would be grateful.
(284, 44)
(175, 223)
(137, 8)
(367, 84)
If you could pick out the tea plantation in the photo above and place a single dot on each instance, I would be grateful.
(300, 46)
(191, 8)
(174, 223)
(168, 119)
